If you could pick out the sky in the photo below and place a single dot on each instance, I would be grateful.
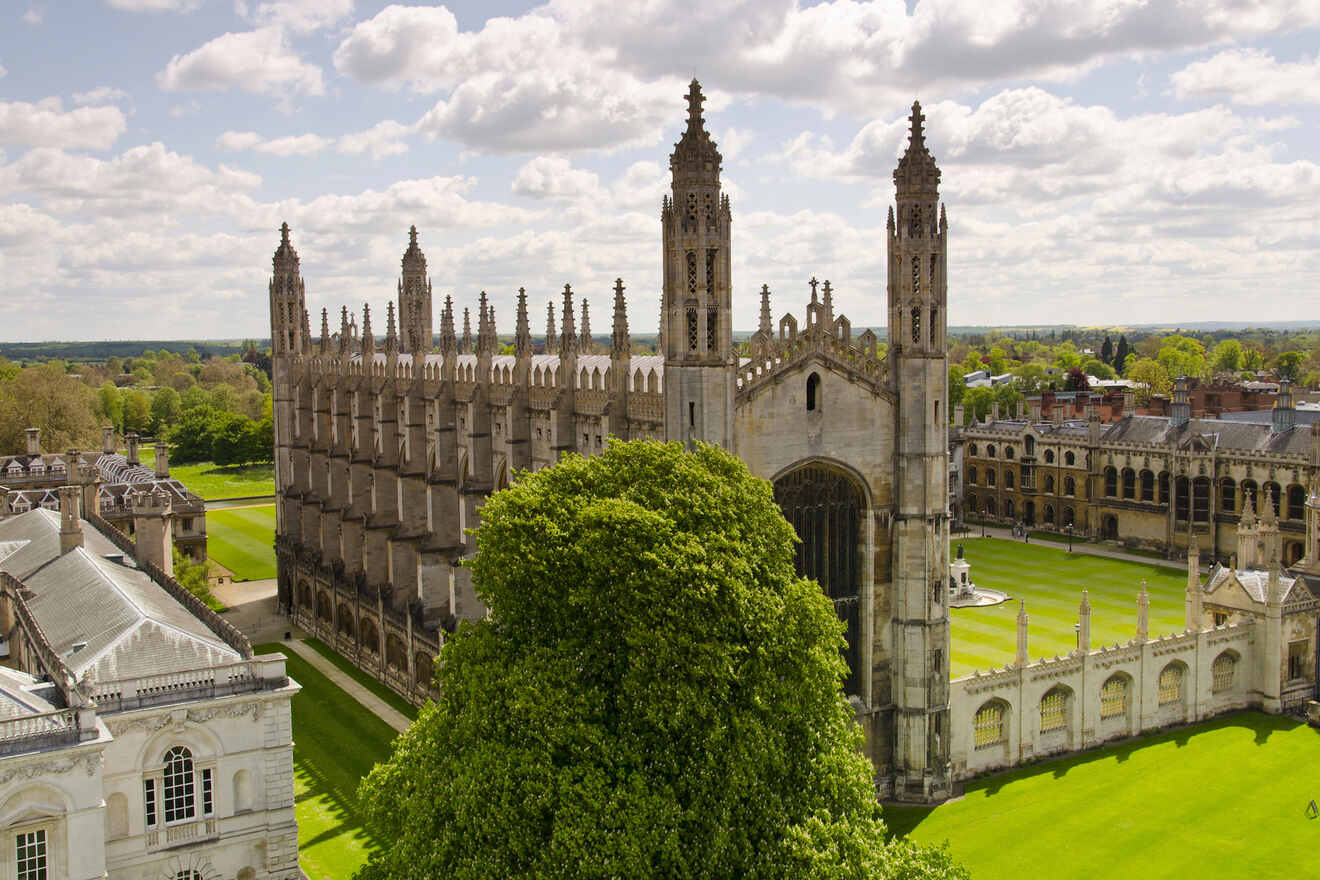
(1104, 163)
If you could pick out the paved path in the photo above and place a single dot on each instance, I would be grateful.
(1078, 547)
(379, 707)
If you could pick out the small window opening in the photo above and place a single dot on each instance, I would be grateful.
(813, 391)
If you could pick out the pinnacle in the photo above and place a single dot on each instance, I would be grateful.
(695, 99)
(917, 119)
(284, 233)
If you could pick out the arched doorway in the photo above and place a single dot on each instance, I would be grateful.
(827, 508)
(1029, 513)
(1109, 528)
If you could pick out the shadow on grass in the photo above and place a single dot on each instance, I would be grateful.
(902, 820)
(339, 804)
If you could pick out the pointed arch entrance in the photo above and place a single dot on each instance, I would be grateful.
(827, 508)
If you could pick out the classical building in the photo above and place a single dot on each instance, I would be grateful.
(386, 449)
(140, 739)
(1144, 480)
(1248, 642)
(106, 485)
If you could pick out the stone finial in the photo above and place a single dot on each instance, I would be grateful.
(391, 335)
(345, 333)
(285, 261)
(368, 341)
(812, 284)
(448, 341)
(695, 152)
(695, 99)
(551, 335)
(1143, 613)
(324, 346)
(917, 173)
(1084, 624)
(485, 327)
(620, 342)
(522, 337)
(465, 341)
(585, 336)
(766, 327)
(827, 303)
(1022, 658)
(567, 327)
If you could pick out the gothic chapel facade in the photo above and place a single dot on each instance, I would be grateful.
(386, 451)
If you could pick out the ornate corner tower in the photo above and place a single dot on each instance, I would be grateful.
(288, 305)
(414, 299)
(696, 322)
(918, 356)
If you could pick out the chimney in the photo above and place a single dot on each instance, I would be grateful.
(1129, 401)
(162, 460)
(34, 441)
(994, 411)
(1285, 416)
(1035, 409)
(131, 442)
(151, 529)
(108, 440)
(1058, 414)
(71, 534)
(958, 414)
(1180, 411)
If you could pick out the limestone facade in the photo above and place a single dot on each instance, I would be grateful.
(1143, 481)
(386, 449)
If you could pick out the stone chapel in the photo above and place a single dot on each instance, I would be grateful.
(386, 449)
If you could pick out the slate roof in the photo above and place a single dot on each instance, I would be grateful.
(105, 618)
(1157, 431)
(1255, 581)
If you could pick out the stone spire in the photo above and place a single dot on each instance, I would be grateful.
(287, 299)
(522, 337)
(465, 343)
(620, 343)
(551, 339)
(368, 341)
(695, 149)
(767, 325)
(827, 304)
(917, 173)
(414, 298)
(585, 337)
(1084, 624)
(567, 329)
(448, 342)
(325, 332)
(391, 338)
(1022, 658)
(1143, 613)
(485, 327)
(345, 332)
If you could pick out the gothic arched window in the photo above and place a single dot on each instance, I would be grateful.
(826, 508)
(813, 392)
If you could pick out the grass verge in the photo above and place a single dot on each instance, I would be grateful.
(211, 482)
(1221, 799)
(336, 741)
(393, 700)
(1050, 580)
(243, 541)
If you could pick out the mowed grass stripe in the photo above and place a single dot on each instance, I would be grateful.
(1050, 580)
(336, 741)
(1150, 808)
(243, 541)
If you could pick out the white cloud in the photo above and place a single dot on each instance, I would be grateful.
(33, 16)
(260, 61)
(553, 177)
(291, 145)
(387, 138)
(238, 140)
(1250, 76)
(47, 124)
(516, 85)
(99, 95)
(155, 5)
(297, 15)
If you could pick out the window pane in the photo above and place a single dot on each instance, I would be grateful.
(149, 793)
(207, 806)
(179, 803)
(30, 855)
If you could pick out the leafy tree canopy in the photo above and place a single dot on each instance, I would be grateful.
(655, 694)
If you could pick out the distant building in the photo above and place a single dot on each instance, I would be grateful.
(34, 479)
(139, 736)
(1211, 400)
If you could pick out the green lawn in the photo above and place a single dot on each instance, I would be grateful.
(1223, 799)
(1051, 580)
(393, 700)
(213, 482)
(243, 541)
(335, 743)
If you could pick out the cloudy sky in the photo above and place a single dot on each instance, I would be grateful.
(1104, 162)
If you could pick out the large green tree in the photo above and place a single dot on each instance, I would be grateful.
(655, 694)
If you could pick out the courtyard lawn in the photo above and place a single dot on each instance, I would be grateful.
(1222, 799)
(1051, 580)
(335, 743)
(243, 541)
(212, 482)
(393, 700)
